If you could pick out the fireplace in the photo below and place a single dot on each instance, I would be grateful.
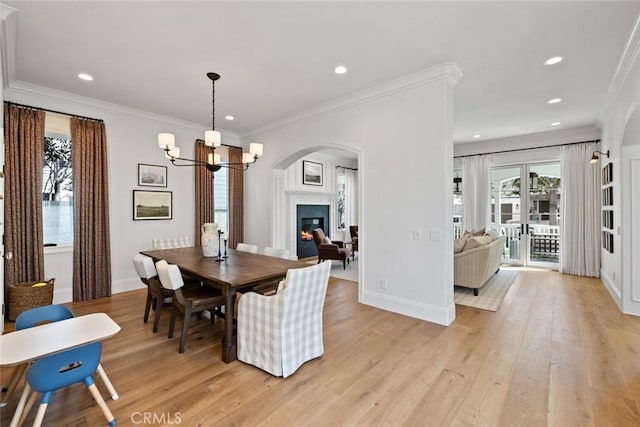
(310, 217)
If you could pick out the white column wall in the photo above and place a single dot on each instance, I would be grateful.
(404, 141)
(621, 135)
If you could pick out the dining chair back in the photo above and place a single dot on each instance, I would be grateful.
(187, 300)
(278, 253)
(157, 297)
(44, 314)
(245, 247)
(62, 369)
(181, 242)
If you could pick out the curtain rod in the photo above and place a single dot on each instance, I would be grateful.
(527, 149)
(344, 167)
(53, 111)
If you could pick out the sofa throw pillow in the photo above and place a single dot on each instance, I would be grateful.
(493, 233)
(327, 240)
(458, 244)
(475, 232)
(476, 242)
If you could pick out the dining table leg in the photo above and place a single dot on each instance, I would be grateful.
(228, 341)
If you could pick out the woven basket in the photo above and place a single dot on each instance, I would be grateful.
(24, 296)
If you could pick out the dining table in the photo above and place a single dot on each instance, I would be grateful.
(237, 271)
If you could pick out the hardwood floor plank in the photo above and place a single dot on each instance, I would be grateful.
(557, 352)
(569, 391)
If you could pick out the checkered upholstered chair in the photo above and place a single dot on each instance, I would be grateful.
(279, 333)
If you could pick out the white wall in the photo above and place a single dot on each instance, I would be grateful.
(621, 135)
(131, 139)
(402, 132)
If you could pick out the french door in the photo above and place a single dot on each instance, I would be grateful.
(525, 207)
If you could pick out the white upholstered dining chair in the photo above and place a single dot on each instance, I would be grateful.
(279, 333)
(245, 247)
(186, 300)
(181, 242)
(275, 252)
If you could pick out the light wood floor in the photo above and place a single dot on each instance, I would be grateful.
(557, 352)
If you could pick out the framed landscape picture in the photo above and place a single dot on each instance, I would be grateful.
(152, 204)
(152, 175)
(311, 173)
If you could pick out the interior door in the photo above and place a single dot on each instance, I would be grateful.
(528, 215)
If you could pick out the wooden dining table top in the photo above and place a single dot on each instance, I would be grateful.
(238, 270)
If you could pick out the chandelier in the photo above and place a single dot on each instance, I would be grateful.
(212, 139)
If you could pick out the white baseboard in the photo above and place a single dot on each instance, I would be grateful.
(430, 313)
(61, 296)
(613, 290)
(126, 285)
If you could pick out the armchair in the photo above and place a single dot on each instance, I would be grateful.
(279, 333)
(353, 231)
(330, 250)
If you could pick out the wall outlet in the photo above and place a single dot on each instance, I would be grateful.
(383, 283)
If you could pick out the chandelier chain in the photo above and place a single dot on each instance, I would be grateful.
(213, 105)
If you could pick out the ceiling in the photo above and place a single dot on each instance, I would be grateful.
(277, 59)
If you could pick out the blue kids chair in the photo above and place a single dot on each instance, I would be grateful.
(59, 370)
(29, 319)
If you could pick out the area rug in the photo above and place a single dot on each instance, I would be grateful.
(337, 271)
(490, 295)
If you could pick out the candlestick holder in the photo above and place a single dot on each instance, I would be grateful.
(225, 249)
(220, 258)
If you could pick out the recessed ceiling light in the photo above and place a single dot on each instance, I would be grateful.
(554, 101)
(229, 117)
(340, 69)
(555, 124)
(553, 60)
(477, 136)
(85, 76)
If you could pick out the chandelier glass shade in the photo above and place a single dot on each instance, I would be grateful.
(212, 139)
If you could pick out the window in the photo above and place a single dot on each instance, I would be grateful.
(221, 193)
(341, 183)
(457, 203)
(57, 191)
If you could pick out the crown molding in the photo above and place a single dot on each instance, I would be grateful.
(448, 71)
(8, 31)
(628, 60)
(19, 88)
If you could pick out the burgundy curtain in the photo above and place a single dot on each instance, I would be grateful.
(24, 146)
(203, 189)
(236, 199)
(91, 246)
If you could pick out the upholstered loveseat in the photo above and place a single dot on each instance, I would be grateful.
(477, 262)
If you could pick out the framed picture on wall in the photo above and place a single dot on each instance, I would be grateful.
(152, 204)
(311, 173)
(152, 175)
